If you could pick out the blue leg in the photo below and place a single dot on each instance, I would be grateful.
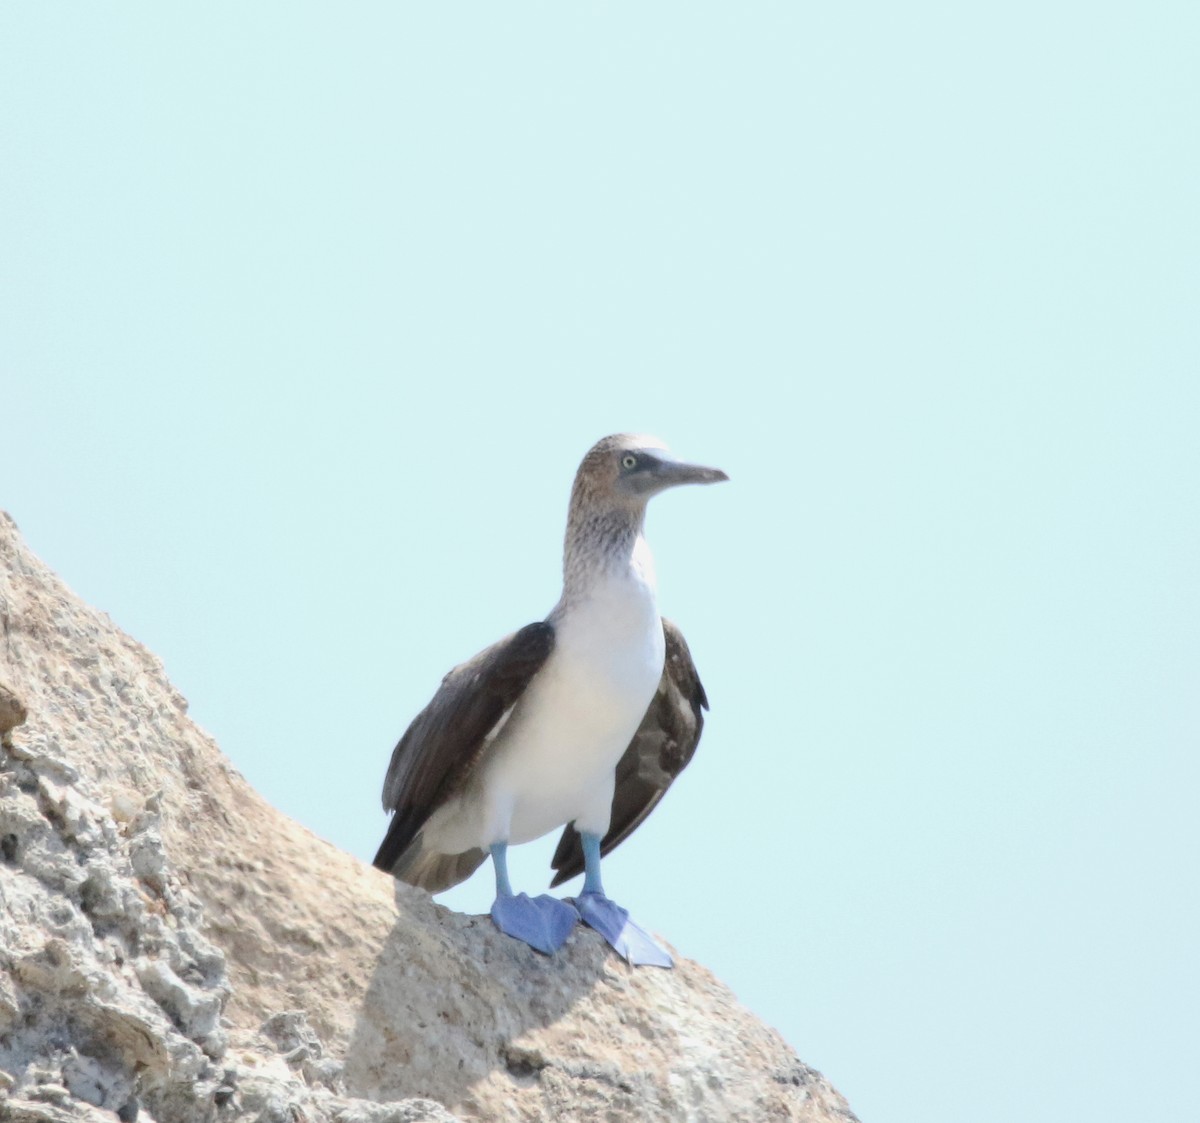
(591, 864)
(544, 922)
(609, 919)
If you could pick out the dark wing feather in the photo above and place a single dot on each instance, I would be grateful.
(661, 749)
(445, 740)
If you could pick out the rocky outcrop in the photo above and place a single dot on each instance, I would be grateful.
(173, 948)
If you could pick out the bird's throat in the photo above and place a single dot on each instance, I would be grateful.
(601, 545)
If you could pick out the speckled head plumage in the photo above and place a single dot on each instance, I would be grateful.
(598, 478)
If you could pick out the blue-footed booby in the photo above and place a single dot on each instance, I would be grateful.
(581, 721)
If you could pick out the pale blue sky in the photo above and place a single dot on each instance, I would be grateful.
(307, 313)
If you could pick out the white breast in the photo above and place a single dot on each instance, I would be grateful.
(554, 759)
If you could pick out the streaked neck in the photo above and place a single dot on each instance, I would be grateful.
(601, 543)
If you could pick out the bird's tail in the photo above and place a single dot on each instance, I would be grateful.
(428, 869)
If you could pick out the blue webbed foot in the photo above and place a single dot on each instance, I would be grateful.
(544, 922)
(628, 940)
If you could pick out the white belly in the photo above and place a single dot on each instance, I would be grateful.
(554, 760)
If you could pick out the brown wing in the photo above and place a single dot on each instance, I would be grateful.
(446, 739)
(659, 751)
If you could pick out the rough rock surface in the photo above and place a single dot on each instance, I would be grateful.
(12, 714)
(173, 948)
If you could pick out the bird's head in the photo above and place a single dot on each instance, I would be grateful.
(627, 470)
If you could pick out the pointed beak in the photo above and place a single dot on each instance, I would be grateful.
(669, 472)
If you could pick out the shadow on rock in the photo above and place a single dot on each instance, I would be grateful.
(451, 1000)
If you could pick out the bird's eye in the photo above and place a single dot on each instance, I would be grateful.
(629, 461)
